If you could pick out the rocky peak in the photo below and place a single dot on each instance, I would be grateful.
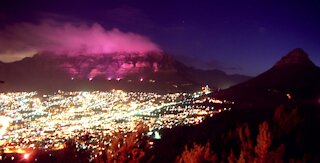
(296, 57)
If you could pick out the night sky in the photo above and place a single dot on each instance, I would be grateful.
(245, 37)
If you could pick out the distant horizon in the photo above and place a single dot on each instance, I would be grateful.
(194, 66)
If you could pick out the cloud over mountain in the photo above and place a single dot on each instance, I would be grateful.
(25, 39)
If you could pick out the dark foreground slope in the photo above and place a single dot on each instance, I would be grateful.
(275, 119)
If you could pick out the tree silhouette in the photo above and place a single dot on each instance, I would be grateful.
(263, 142)
(276, 155)
(246, 153)
(285, 121)
(232, 158)
(129, 147)
(197, 154)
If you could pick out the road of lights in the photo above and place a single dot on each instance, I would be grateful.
(29, 120)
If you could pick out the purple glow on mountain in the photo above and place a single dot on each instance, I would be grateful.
(108, 66)
(25, 39)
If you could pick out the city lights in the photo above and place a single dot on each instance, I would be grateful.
(32, 121)
(26, 156)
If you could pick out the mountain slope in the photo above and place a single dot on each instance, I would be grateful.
(127, 71)
(295, 75)
(216, 78)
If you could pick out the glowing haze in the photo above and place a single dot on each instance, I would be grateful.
(21, 40)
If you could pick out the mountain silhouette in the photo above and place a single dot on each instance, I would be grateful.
(127, 71)
(293, 76)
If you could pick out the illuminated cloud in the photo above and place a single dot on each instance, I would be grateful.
(24, 39)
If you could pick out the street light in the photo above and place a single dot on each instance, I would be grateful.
(26, 156)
